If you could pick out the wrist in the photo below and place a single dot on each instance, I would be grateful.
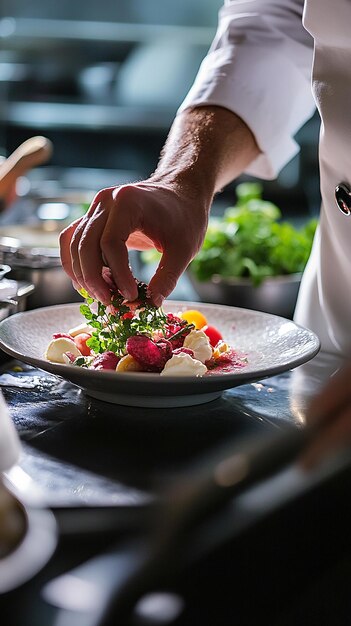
(186, 182)
(207, 148)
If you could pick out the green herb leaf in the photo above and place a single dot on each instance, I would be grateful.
(112, 330)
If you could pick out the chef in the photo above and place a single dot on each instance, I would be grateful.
(250, 97)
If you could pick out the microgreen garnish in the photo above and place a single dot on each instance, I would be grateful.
(82, 361)
(184, 330)
(113, 324)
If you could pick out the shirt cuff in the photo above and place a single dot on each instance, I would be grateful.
(266, 90)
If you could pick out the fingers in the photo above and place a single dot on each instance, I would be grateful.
(69, 241)
(87, 258)
(65, 248)
(98, 239)
(120, 225)
(137, 216)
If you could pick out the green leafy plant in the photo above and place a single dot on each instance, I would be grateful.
(250, 240)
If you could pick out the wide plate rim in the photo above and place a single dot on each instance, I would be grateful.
(211, 381)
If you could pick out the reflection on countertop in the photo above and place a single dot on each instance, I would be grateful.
(78, 451)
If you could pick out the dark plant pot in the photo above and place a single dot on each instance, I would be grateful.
(276, 295)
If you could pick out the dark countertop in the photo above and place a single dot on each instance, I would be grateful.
(81, 455)
(81, 451)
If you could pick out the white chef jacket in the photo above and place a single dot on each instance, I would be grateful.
(260, 66)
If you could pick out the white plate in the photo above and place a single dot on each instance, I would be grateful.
(271, 344)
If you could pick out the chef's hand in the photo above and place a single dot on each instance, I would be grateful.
(206, 148)
(330, 411)
(140, 216)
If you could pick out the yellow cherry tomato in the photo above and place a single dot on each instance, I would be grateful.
(194, 317)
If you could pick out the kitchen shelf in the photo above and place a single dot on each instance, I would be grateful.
(34, 33)
(43, 91)
(90, 117)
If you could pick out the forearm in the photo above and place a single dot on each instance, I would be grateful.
(207, 148)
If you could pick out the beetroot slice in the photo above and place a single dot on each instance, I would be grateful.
(174, 325)
(184, 351)
(105, 361)
(150, 355)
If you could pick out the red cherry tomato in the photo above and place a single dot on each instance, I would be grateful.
(213, 334)
(81, 343)
(128, 316)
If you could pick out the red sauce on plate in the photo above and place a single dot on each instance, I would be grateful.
(228, 364)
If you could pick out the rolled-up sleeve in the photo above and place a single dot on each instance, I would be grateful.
(259, 66)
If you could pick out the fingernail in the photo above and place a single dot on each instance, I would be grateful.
(101, 297)
(157, 299)
(128, 295)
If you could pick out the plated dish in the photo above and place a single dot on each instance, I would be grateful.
(270, 344)
(139, 337)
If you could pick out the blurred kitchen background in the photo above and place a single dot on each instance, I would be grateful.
(103, 80)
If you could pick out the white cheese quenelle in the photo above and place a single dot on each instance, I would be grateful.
(58, 347)
(81, 328)
(183, 365)
(198, 342)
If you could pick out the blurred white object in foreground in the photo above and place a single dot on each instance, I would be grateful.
(10, 446)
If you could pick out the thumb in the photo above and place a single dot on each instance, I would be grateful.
(171, 266)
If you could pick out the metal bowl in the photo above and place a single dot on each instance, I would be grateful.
(33, 255)
(4, 269)
(276, 295)
(17, 301)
